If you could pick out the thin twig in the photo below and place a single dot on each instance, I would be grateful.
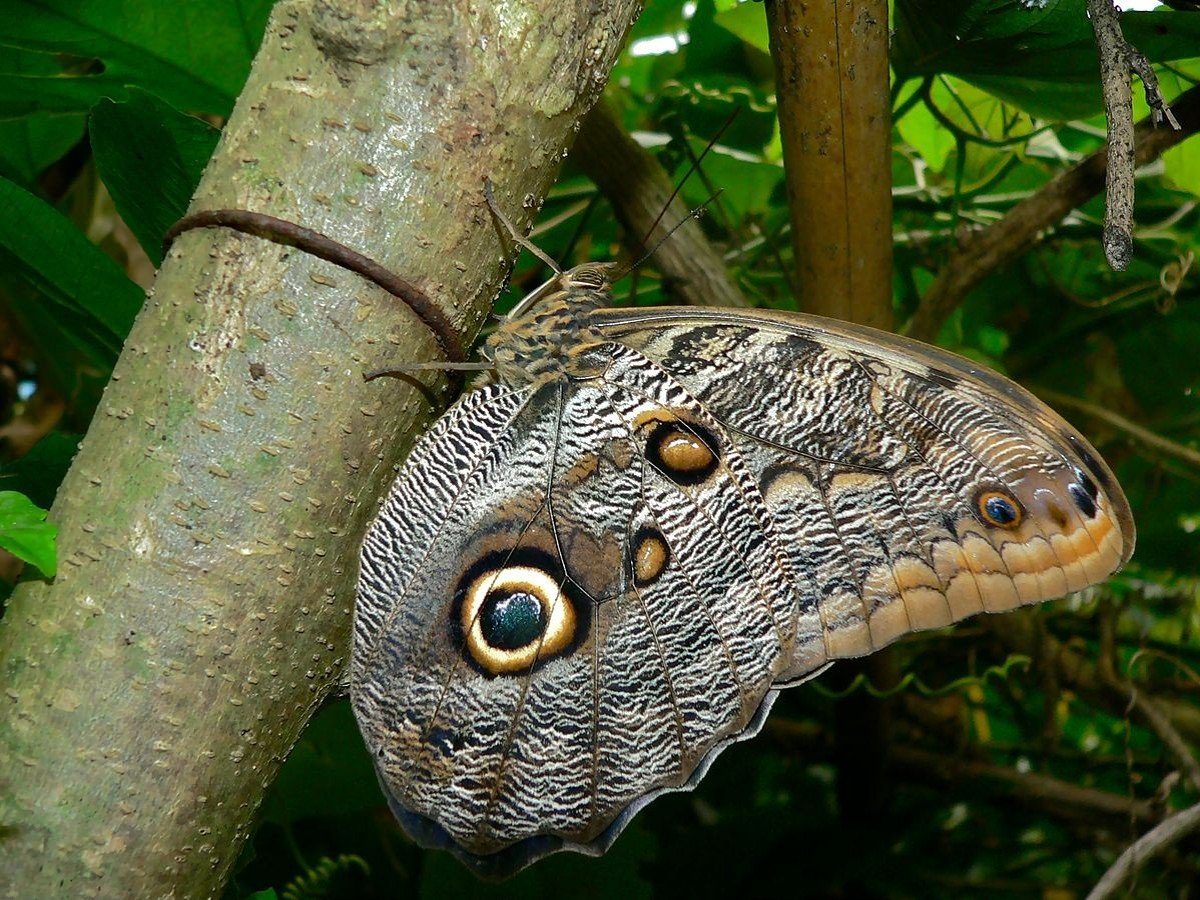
(1135, 431)
(1145, 848)
(1059, 798)
(1154, 98)
(291, 234)
(1166, 732)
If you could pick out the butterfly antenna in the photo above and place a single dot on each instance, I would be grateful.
(694, 214)
(512, 230)
(688, 174)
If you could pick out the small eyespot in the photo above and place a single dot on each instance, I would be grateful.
(650, 556)
(999, 509)
(515, 616)
(685, 454)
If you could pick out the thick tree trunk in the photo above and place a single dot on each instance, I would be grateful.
(210, 523)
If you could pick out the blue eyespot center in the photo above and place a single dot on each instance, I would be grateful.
(999, 509)
(511, 620)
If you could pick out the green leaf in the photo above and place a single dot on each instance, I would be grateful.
(194, 55)
(39, 472)
(1040, 58)
(747, 21)
(29, 144)
(25, 533)
(44, 248)
(150, 157)
(1182, 165)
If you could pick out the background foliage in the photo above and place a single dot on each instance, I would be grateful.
(108, 112)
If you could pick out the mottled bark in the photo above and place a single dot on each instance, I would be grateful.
(210, 523)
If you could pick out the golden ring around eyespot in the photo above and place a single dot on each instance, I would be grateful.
(558, 616)
(999, 509)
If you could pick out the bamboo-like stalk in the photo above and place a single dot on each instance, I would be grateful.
(831, 85)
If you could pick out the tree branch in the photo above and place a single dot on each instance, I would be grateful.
(1166, 732)
(1132, 429)
(985, 252)
(1047, 794)
(210, 525)
(1144, 849)
(1050, 795)
(638, 189)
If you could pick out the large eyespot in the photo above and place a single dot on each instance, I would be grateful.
(685, 453)
(999, 509)
(650, 556)
(515, 614)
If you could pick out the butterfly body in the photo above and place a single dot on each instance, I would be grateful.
(598, 567)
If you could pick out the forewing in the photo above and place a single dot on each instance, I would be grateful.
(911, 488)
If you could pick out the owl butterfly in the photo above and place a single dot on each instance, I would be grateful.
(599, 566)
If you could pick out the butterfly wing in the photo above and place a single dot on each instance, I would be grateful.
(580, 590)
(571, 600)
(912, 487)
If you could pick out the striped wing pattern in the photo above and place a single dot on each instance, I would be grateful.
(594, 572)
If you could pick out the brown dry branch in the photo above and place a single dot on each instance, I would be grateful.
(1049, 795)
(1154, 717)
(1134, 431)
(639, 190)
(1162, 836)
(986, 251)
(1053, 796)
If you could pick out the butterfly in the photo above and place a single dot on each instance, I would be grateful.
(599, 566)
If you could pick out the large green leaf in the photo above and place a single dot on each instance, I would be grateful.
(194, 55)
(150, 157)
(43, 248)
(1041, 58)
(30, 143)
